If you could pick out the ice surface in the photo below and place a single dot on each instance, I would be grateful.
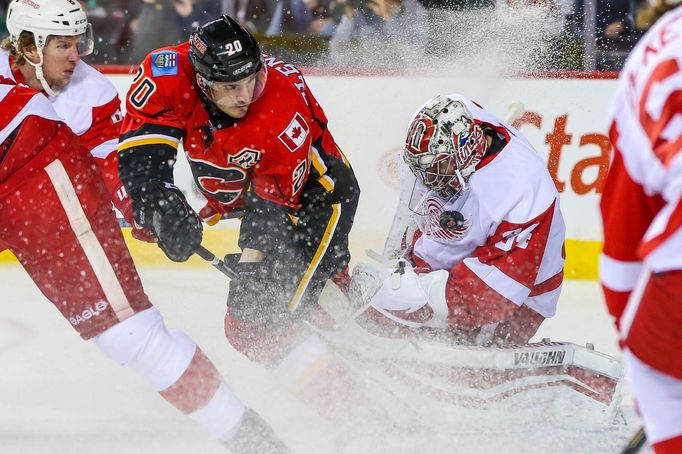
(58, 394)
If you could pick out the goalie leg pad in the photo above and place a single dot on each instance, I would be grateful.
(176, 368)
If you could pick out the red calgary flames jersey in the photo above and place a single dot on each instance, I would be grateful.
(272, 150)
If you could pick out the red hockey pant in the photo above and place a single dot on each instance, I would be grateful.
(59, 223)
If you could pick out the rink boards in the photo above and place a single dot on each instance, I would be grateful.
(565, 119)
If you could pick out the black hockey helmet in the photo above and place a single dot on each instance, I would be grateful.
(224, 51)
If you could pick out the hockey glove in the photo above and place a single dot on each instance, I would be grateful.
(346, 187)
(124, 203)
(252, 296)
(162, 208)
(214, 211)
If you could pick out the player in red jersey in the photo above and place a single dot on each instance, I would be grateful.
(79, 261)
(44, 53)
(56, 217)
(257, 141)
(641, 266)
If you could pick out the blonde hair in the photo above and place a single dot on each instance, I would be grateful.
(26, 41)
(646, 16)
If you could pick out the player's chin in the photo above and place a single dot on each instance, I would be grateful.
(236, 112)
(61, 82)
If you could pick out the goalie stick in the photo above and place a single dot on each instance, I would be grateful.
(515, 110)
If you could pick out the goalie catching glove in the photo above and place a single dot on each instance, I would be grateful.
(401, 294)
(162, 208)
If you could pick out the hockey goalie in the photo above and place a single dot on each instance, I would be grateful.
(479, 243)
(484, 256)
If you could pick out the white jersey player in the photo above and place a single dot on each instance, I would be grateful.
(641, 267)
(46, 57)
(488, 252)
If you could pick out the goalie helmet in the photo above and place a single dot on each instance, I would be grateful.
(224, 52)
(444, 144)
(45, 18)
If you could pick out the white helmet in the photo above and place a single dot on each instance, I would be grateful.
(44, 18)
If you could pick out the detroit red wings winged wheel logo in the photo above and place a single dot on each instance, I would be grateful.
(437, 222)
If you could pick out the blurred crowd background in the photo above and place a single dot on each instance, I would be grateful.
(543, 35)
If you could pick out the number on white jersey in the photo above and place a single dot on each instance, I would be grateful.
(519, 236)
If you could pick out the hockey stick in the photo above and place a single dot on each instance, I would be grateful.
(204, 254)
(636, 442)
(216, 262)
(515, 110)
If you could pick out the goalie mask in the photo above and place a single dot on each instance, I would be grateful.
(46, 19)
(229, 64)
(444, 145)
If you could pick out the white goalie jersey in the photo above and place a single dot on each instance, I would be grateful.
(501, 239)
